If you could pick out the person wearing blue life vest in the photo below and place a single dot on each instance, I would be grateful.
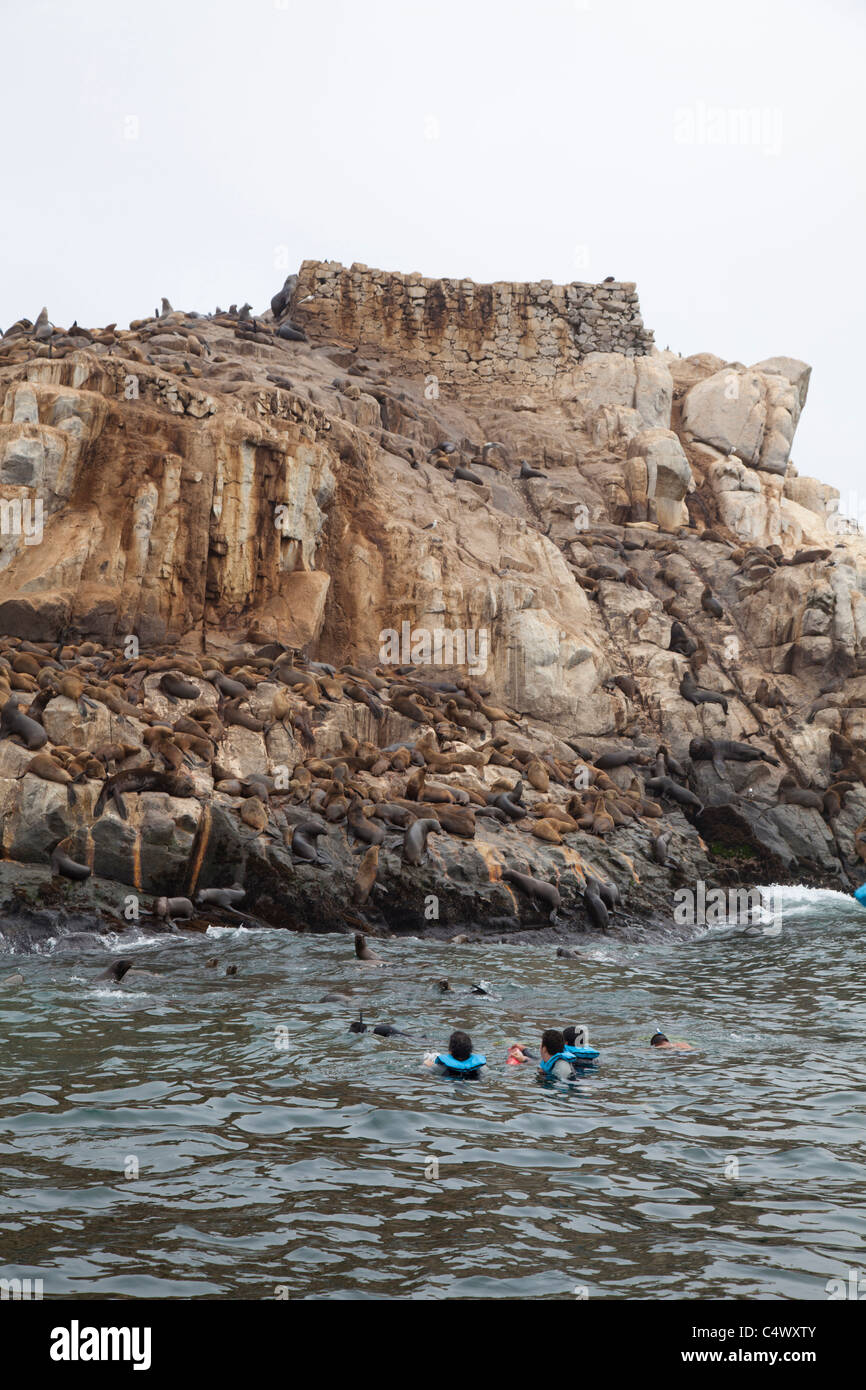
(860, 894)
(459, 1060)
(556, 1065)
(577, 1046)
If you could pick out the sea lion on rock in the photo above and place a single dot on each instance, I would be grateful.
(619, 757)
(366, 876)
(696, 695)
(710, 604)
(681, 642)
(169, 908)
(535, 888)
(14, 722)
(596, 908)
(221, 897)
(141, 779)
(303, 841)
(790, 794)
(175, 688)
(721, 750)
(66, 867)
(668, 787)
(415, 840)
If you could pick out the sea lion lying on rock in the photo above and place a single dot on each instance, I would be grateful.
(721, 750)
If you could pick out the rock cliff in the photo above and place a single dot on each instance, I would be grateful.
(375, 474)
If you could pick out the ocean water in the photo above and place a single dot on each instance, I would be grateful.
(192, 1135)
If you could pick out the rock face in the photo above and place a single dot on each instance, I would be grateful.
(207, 488)
(750, 412)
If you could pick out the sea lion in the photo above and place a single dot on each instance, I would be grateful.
(696, 695)
(668, 787)
(175, 688)
(526, 471)
(303, 841)
(363, 952)
(564, 953)
(468, 476)
(681, 642)
(169, 908)
(366, 876)
(14, 722)
(115, 971)
(619, 757)
(415, 840)
(141, 779)
(595, 907)
(534, 888)
(660, 847)
(790, 794)
(719, 750)
(608, 892)
(66, 867)
(221, 897)
(710, 604)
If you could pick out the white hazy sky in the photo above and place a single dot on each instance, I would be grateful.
(200, 149)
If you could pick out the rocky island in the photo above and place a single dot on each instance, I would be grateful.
(415, 606)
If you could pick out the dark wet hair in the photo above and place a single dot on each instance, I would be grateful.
(553, 1040)
(658, 1038)
(460, 1046)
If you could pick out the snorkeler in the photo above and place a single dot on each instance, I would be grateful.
(577, 1044)
(677, 1045)
(459, 1060)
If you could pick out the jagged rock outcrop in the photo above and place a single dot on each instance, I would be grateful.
(198, 481)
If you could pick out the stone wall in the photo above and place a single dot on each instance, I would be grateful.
(526, 334)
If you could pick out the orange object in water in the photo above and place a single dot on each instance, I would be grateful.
(515, 1055)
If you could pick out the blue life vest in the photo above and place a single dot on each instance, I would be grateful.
(472, 1063)
(581, 1054)
(547, 1067)
(860, 895)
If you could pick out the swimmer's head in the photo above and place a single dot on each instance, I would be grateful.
(574, 1035)
(460, 1046)
(658, 1040)
(552, 1042)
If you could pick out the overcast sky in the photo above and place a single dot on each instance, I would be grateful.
(200, 149)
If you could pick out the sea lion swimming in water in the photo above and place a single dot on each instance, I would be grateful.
(363, 952)
(115, 971)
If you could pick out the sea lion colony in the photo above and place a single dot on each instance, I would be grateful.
(467, 763)
(470, 762)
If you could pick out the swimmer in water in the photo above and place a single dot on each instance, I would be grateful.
(555, 1061)
(459, 1060)
(517, 1053)
(677, 1045)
